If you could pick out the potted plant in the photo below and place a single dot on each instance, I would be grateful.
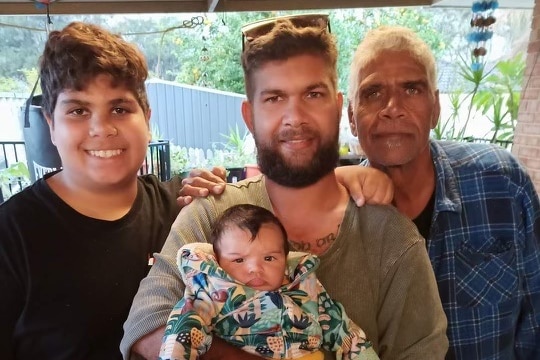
(184, 159)
(179, 160)
(237, 151)
(13, 179)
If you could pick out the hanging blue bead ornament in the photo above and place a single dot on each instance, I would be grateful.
(481, 23)
(479, 37)
(42, 4)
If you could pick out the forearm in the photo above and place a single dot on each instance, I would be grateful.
(411, 318)
(154, 301)
(527, 330)
(366, 184)
(151, 307)
(163, 287)
(527, 333)
(148, 346)
(221, 350)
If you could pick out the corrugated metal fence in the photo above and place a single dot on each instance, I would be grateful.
(186, 115)
(191, 116)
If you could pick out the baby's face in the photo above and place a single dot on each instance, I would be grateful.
(260, 263)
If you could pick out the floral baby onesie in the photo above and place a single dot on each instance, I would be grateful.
(291, 322)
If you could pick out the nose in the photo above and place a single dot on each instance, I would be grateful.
(295, 112)
(101, 125)
(393, 106)
(255, 267)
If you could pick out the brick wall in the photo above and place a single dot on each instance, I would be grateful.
(527, 135)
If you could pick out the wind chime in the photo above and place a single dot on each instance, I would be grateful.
(481, 23)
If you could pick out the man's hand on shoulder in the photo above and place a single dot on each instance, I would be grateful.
(201, 183)
(365, 184)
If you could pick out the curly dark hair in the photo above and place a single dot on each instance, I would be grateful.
(284, 41)
(247, 217)
(79, 52)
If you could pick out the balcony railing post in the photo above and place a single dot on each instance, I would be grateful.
(158, 160)
(11, 153)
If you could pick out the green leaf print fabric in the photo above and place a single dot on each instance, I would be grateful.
(291, 322)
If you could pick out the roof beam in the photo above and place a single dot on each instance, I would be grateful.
(269, 5)
(104, 7)
(181, 6)
(13, 7)
(212, 4)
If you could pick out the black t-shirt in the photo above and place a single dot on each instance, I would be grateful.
(68, 280)
(423, 220)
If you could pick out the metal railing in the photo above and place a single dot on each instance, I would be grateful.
(157, 162)
(11, 153)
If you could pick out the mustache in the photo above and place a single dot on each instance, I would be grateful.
(302, 132)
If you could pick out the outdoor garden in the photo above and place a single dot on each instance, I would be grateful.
(480, 93)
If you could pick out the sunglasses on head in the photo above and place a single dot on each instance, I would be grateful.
(259, 28)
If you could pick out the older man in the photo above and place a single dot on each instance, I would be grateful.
(474, 203)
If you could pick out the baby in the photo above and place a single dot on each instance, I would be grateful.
(250, 291)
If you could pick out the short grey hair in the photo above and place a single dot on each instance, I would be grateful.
(393, 38)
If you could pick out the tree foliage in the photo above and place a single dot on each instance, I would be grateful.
(22, 40)
(209, 54)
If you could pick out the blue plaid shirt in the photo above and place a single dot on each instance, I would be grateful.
(485, 250)
(484, 247)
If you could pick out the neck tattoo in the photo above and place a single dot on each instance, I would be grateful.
(317, 246)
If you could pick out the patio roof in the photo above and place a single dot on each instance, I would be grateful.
(18, 7)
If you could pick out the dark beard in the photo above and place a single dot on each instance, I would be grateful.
(275, 167)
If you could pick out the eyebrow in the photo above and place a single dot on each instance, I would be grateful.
(231, 253)
(86, 103)
(73, 102)
(242, 255)
(370, 86)
(379, 84)
(307, 89)
(420, 82)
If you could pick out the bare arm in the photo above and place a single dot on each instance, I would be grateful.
(148, 346)
(410, 331)
(365, 184)
(221, 350)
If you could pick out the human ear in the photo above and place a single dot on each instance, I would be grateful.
(247, 114)
(436, 111)
(50, 122)
(352, 122)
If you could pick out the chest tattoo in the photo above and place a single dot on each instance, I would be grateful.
(317, 246)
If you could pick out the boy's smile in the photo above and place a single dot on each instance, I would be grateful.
(101, 133)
